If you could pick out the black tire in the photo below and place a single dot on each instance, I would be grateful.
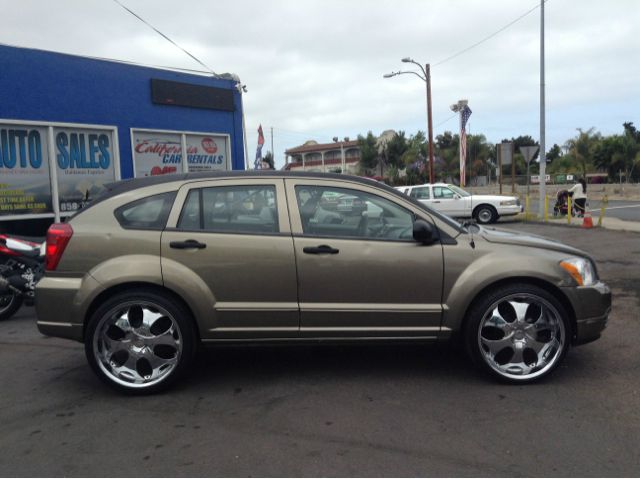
(140, 342)
(518, 329)
(485, 214)
(9, 304)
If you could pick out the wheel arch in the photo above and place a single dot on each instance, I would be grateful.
(552, 289)
(129, 286)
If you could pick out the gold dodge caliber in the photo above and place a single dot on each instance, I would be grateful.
(157, 266)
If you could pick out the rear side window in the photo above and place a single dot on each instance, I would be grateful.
(149, 213)
(231, 209)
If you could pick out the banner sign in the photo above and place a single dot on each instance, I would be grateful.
(156, 153)
(207, 152)
(84, 160)
(159, 153)
(25, 184)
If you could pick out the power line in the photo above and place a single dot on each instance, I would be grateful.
(165, 37)
(488, 37)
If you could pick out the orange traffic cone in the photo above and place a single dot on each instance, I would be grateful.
(587, 222)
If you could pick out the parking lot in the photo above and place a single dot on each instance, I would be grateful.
(336, 410)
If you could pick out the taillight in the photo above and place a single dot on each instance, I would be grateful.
(58, 236)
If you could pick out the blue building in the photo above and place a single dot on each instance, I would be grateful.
(70, 124)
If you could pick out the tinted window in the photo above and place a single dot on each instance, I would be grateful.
(238, 209)
(339, 212)
(148, 213)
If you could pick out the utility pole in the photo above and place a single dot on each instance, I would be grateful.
(543, 160)
(429, 121)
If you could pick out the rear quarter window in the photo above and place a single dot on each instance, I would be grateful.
(150, 213)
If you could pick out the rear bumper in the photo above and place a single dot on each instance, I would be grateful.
(59, 305)
(592, 306)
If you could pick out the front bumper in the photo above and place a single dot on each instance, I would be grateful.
(592, 306)
(510, 210)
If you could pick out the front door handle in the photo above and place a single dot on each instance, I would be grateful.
(188, 244)
(322, 249)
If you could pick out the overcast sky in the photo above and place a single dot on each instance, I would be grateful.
(313, 69)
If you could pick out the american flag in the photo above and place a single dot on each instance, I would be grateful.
(464, 117)
(257, 164)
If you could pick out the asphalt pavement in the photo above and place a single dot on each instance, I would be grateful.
(336, 411)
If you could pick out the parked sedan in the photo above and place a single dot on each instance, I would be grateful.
(158, 266)
(458, 203)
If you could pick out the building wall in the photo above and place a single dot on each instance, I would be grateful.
(44, 86)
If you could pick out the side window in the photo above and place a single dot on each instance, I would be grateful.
(420, 193)
(347, 213)
(231, 209)
(442, 192)
(148, 213)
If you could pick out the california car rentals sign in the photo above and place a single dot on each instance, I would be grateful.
(25, 184)
(83, 159)
(159, 153)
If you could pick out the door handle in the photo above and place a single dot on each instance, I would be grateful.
(188, 244)
(436, 201)
(322, 249)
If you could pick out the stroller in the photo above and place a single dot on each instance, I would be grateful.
(562, 205)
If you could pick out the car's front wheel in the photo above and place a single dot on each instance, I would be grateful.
(485, 214)
(518, 333)
(140, 341)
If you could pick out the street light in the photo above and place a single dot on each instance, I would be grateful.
(459, 108)
(425, 77)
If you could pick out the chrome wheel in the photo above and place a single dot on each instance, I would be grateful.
(521, 336)
(137, 344)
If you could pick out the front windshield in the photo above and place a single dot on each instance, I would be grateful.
(459, 191)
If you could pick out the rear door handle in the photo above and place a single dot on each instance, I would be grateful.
(188, 244)
(322, 249)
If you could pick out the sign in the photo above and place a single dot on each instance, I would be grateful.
(156, 153)
(536, 178)
(84, 160)
(569, 177)
(505, 154)
(528, 152)
(207, 152)
(160, 153)
(25, 183)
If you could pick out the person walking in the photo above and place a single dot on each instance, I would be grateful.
(579, 196)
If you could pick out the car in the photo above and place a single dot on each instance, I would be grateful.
(458, 203)
(157, 267)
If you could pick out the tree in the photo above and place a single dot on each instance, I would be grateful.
(582, 148)
(268, 159)
(553, 153)
(396, 147)
(369, 158)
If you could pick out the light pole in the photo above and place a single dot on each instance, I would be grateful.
(425, 77)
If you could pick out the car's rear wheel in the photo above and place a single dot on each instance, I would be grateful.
(518, 333)
(140, 341)
(485, 214)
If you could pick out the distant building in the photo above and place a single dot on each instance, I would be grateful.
(325, 158)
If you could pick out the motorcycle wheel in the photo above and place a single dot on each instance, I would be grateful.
(9, 304)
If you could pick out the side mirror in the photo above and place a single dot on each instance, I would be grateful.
(424, 232)
(456, 196)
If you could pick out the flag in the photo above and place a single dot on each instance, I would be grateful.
(257, 164)
(464, 117)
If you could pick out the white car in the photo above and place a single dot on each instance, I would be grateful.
(456, 202)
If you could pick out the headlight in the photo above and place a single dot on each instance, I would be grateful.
(509, 203)
(580, 269)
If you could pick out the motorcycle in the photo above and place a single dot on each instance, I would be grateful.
(21, 267)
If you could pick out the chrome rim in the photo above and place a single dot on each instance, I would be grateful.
(485, 215)
(521, 336)
(137, 344)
